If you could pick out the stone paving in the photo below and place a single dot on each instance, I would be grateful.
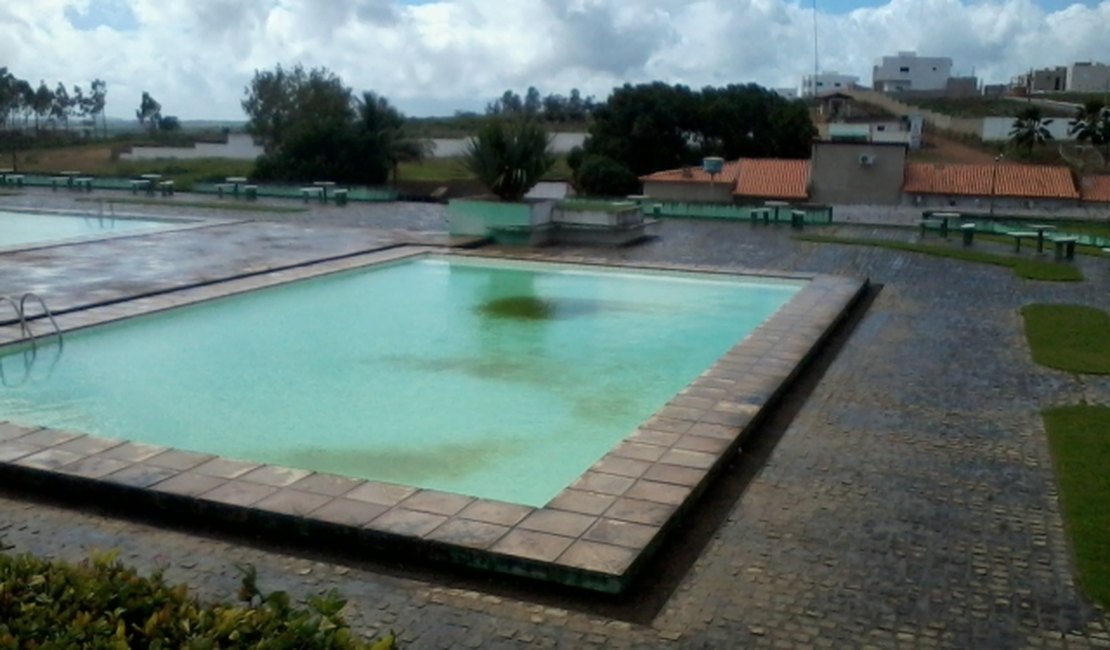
(909, 504)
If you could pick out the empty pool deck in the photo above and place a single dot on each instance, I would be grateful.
(910, 502)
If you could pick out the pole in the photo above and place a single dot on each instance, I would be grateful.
(994, 171)
(814, 48)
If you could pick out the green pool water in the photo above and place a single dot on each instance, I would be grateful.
(497, 379)
(23, 228)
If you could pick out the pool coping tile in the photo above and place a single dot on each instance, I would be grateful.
(596, 533)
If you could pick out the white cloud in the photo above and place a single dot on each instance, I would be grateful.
(196, 56)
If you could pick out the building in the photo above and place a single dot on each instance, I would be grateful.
(743, 180)
(976, 186)
(827, 82)
(908, 72)
(1045, 80)
(1088, 77)
(895, 130)
(857, 172)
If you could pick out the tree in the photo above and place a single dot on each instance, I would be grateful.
(601, 176)
(509, 156)
(98, 96)
(41, 102)
(149, 112)
(280, 100)
(532, 102)
(60, 106)
(169, 123)
(388, 144)
(1030, 129)
(1092, 123)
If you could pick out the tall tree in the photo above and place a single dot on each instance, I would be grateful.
(149, 112)
(1092, 124)
(1030, 129)
(279, 100)
(98, 97)
(41, 103)
(61, 106)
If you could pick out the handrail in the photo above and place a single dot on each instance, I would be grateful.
(45, 309)
(18, 309)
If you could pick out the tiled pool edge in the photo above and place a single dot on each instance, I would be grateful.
(597, 533)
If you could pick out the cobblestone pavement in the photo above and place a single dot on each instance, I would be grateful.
(909, 504)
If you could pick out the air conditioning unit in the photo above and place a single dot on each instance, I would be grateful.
(867, 159)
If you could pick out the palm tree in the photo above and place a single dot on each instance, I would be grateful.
(384, 125)
(1030, 129)
(510, 156)
(1092, 123)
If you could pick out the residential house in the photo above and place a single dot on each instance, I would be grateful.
(1088, 77)
(826, 83)
(981, 186)
(908, 72)
(740, 181)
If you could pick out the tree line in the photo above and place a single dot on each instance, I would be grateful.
(20, 103)
(553, 108)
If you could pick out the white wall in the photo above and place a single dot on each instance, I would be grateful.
(827, 83)
(921, 72)
(997, 129)
(1088, 78)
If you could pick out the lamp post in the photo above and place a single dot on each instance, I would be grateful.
(994, 172)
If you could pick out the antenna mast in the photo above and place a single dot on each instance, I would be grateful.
(814, 48)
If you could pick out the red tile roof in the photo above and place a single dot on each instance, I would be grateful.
(1095, 188)
(773, 178)
(695, 175)
(1025, 181)
(770, 178)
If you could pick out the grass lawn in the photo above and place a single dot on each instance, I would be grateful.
(1079, 438)
(1069, 337)
(211, 205)
(1029, 269)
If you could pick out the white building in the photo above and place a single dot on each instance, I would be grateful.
(827, 82)
(1088, 77)
(907, 71)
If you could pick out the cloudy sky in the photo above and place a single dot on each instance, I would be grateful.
(433, 57)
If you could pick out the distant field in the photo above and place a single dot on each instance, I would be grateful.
(984, 107)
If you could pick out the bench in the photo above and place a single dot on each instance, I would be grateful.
(340, 197)
(226, 187)
(55, 181)
(140, 184)
(967, 230)
(797, 219)
(1065, 247)
(309, 192)
(250, 191)
(1019, 235)
(940, 225)
(83, 183)
(14, 179)
(166, 188)
(760, 213)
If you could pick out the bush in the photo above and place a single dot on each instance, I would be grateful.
(602, 176)
(510, 157)
(100, 603)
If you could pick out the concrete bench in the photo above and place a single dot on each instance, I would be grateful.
(140, 184)
(940, 225)
(1065, 247)
(310, 192)
(166, 188)
(55, 181)
(340, 196)
(83, 183)
(797, 219)
(14, 179)
(250, 192)
(226, 187)
(1019, 235)
(967, 230)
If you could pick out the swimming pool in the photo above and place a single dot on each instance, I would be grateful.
(496, 379)
(21, 229)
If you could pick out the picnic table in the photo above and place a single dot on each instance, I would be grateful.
(776, 206)
(235, 182)
(1019, 235)
(1040, 229)
(324, 185)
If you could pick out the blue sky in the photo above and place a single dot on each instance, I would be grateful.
(196, 56)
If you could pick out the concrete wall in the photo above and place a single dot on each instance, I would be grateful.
(837, 175)
(997, 129)
(907, 71)
(1089, 77)
(720, 192)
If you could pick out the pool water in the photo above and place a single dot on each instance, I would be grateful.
(501, 380)
(23, 228)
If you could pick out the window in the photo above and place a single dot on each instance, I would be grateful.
(934, 68)
(906, 68)
(837, 84)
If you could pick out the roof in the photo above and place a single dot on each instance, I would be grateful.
(1025, 181)
(770, 178)
(773, 178)
(695, 175)
(1095, 188)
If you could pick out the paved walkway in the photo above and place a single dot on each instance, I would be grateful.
(909, 504)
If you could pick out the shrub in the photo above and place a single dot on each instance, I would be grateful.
(602, 176)
(509, 157)
(100, 603)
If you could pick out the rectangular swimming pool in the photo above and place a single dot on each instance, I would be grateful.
(19, 229)
(497, 379)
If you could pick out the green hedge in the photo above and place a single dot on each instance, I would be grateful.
(100, 603)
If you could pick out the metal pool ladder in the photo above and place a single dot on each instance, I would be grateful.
(20, 309)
